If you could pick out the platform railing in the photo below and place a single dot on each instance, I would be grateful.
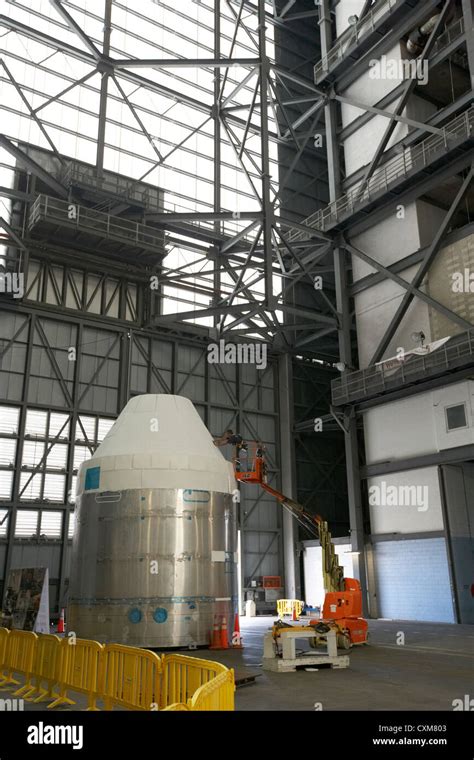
(352, 35)
(109, 182)
(110, 224)
(63, 213)
(450, 34)
(113, 675)
(413, 158)
(386, 376)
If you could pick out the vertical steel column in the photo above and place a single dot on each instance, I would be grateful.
(448, 543)
(217, 148)
(240, 508)
(18, 458)
(468, 11)
(344, 332)
(267, 209)
(70, 465)
(330, 110)
(103, 90)
(288, 475)
(126, 346)
(354, 494)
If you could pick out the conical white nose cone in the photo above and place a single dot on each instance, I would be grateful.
(158, 441)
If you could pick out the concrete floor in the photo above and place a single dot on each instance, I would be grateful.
(434, 667)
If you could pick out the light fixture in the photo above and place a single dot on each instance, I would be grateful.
(418, 337)
(353, 20)
(343, 367)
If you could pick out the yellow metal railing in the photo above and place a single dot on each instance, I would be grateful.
(81, 669)
(4, 632)
(286, 607)
(115, 675)
(217, 694)
(131, 678)
(46, 668)
(183, 676)
(18, 659)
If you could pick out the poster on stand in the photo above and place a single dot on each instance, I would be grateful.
(42, 618)
(26, 606)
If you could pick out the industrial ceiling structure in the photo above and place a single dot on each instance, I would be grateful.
(233, 255)
(174, 175)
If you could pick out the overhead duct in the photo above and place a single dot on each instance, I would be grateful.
(417, 38)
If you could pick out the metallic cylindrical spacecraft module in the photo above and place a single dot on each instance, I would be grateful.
(154, 554)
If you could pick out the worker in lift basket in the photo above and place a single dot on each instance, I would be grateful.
(234, 439)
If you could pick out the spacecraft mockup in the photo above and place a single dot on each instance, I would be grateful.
(154, 551)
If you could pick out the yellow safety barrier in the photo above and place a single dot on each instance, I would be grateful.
(19, 658)
(3, 648)
(46, 667)
(80, 671)
(218, 694)
(131, 678)
(286, 607)
(117, 675)
(183, 676)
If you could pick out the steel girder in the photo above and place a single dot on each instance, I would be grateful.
(271, 79)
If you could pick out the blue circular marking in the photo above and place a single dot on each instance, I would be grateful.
(160, 615)
(135, 615)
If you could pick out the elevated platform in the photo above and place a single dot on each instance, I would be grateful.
(385, 378)
(65, 222)
(361, 36)
(393, 177)
(111, 188)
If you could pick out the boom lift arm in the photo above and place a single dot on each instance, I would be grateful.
(343, 602)
(333, 573)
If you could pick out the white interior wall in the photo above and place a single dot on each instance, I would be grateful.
(451, 262)
(424, 516)
(413, 426)
(417, 425)
(404, 428)
(385, 242)
(313, 574)
(374, 309)
(389, 241)
(394, 237)
(429, 219)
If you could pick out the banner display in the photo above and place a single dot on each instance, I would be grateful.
(26, 605)
(42, 618)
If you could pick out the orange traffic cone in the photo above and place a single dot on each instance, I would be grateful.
(61, 621)
(224, 635)
(295, 616)
(236, 637)
(216, 635)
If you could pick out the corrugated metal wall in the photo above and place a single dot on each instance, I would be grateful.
(413, 580)
(61, 362)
